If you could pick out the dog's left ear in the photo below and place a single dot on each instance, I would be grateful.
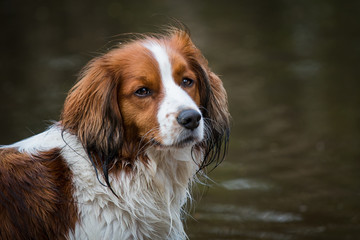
(213, 98)
(91, 112)
(216, 117)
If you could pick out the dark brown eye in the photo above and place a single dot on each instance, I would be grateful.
(187, 82)
(143, 92)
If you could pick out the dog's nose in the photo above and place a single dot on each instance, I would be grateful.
(189, 119)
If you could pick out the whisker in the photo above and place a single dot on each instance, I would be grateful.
(142, 146)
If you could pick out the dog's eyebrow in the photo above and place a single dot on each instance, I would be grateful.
(179, 68)
(143, 78)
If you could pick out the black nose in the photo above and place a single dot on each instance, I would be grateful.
(189, 119)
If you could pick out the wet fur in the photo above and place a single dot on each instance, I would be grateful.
(95, 174)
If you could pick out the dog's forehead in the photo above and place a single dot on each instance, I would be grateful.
(133, 60)
(168, 58)
(149, 56)
(161, 57)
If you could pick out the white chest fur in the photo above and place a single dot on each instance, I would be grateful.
(150, 198)
(149, 204)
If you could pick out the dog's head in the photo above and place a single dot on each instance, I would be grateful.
(155, 91)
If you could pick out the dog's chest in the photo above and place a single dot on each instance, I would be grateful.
(149, 203)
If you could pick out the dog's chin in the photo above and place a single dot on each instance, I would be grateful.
(182, 143)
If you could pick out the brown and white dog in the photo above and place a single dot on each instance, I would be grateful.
(139, 124)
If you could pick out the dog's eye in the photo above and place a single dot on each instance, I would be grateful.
(187, 82)
(143, 92)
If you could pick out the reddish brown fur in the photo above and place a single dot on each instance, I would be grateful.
(36, 196)
(139, 114)
(102, 110)
(36, 200)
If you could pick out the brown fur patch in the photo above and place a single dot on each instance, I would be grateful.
(139, 113)
(36, 196)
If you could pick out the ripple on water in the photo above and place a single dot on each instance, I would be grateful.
(243, 184)
(225, 212)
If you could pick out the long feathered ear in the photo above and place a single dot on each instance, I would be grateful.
(91, 112)
(214, 105)
(216, 117)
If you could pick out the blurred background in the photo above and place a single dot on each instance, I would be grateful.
(291, 69)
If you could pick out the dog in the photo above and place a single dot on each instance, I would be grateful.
(142, 121)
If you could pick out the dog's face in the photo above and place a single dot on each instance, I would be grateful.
(159, 95)
(156, 91)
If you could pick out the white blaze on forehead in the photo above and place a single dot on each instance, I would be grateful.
(175, 99)
(162, 58)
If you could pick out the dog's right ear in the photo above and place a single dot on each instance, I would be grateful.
(91, 112)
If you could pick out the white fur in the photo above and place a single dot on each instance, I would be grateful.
(40, 142)
(150, 198)
(175, 100)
